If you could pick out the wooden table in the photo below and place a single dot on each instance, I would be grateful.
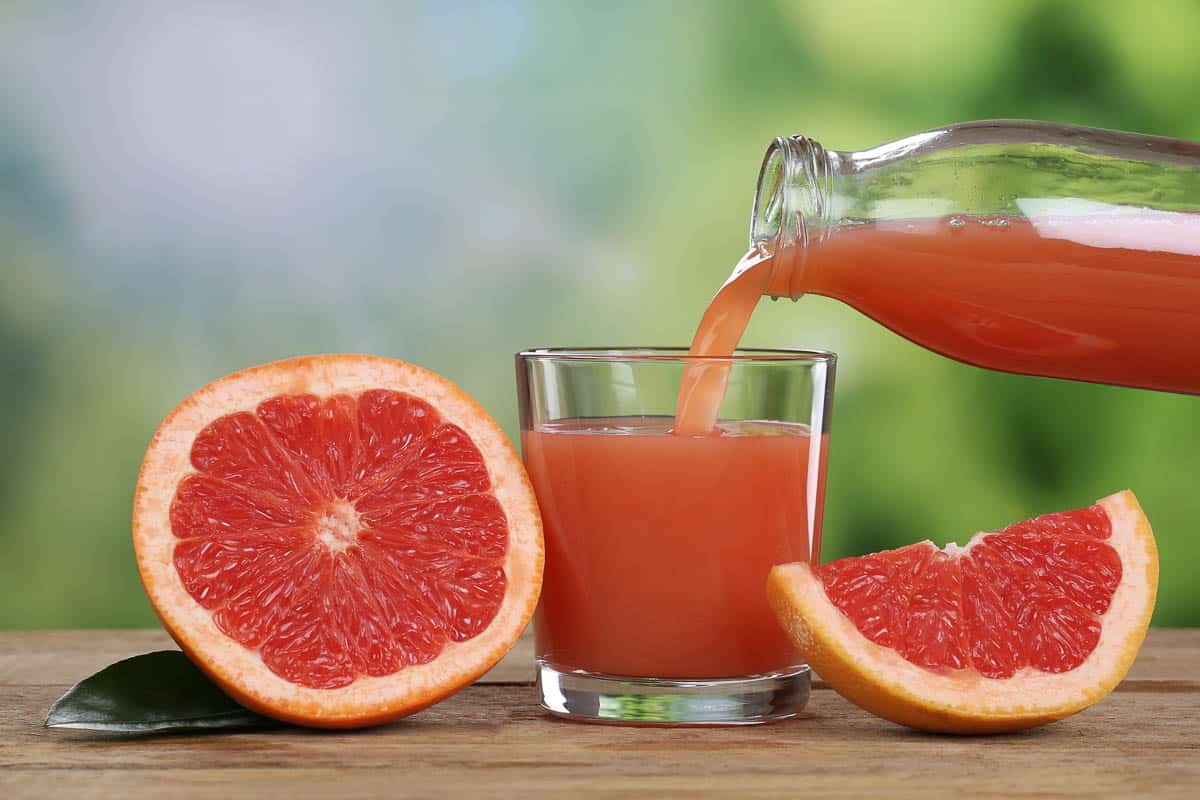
(491, 740)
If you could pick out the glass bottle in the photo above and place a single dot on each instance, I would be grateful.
(1025, 247)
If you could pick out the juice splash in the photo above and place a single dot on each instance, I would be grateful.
(659, 546)
(1109, 298)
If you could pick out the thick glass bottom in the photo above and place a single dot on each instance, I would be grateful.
(614, 699)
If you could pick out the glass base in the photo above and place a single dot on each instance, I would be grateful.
(753, 700)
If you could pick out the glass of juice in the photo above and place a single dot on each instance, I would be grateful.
(658, 543)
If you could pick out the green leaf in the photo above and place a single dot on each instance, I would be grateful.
(160, 691)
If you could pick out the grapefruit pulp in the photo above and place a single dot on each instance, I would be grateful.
(337, 540)
(1019, 627)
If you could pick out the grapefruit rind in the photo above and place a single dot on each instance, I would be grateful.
(881, 681)
(241, 671)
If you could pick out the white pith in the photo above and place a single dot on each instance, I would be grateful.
(337, 529)
(955, 550)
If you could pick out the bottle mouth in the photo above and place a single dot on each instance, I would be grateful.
(791, 204)
(766, 217)
(791, 196)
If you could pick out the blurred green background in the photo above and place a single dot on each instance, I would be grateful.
(194, 187)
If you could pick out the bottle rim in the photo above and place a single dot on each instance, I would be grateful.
(792, 203)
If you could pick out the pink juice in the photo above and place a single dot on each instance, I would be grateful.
(658, 546)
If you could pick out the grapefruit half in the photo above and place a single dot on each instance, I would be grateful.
(1020, 627)
(337, 540)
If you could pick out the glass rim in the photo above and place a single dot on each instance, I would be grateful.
(649, 353)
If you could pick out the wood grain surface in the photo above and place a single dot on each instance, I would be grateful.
(491, 740)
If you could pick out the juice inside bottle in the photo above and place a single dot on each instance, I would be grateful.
(1110, 298)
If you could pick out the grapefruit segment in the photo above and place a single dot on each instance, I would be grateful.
(337, 540)
(1020, 627)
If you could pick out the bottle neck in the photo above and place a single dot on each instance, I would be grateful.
(792, 207)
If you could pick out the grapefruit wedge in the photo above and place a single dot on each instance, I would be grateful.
(1020, 627)
(338, 540)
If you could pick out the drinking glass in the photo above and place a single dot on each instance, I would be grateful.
(658, 546)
